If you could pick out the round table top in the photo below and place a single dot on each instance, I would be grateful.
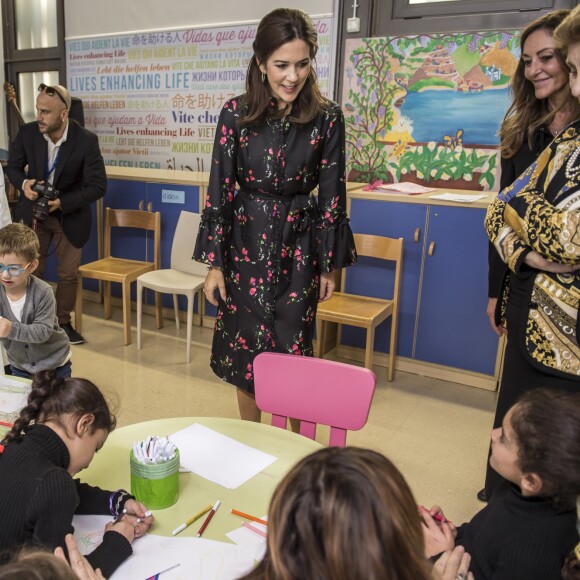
(110, 470)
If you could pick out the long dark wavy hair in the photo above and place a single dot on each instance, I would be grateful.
(343, 513)
(51, 398)
(527, 113)
(546, 424)
(279, 27)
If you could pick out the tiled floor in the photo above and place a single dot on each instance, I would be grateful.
(437, 433)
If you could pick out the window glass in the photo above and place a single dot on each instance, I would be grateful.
(36, 25)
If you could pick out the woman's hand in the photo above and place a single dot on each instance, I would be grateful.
(439, 537)
(82, 569)
(327, 285)
(534, 260)
(453, 565)
(498, 329)
(214, 281)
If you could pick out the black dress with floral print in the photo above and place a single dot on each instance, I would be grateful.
(271, 236)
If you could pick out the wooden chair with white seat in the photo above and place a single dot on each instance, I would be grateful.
(124, 271)
(186, 276)
(365, 311)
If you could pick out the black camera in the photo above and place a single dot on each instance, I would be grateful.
(46, 192)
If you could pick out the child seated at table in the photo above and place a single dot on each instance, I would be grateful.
(65, 422)
(529, 526)
(345, 513)
(29, 328)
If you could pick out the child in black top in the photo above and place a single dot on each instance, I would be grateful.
(65, 422)
(529, 525)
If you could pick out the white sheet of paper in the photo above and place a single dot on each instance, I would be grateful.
(252, 543)
(149, 556)
(205, 559)
(218, 458)
(457, 197)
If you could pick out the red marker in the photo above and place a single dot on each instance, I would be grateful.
(436, 517)
(208, 519)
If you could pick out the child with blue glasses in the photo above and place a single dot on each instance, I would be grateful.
(29, 328)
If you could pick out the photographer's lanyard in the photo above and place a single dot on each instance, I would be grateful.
(48, 174)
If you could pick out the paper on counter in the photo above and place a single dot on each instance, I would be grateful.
(218, 458)
(461, 198)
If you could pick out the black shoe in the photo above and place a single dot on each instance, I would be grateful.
(482, 496)
(73, 336)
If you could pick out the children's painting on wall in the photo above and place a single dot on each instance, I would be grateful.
(428, 108)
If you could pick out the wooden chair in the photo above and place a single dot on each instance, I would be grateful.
(124, 271)
(314, 391)
(186, 276)
(364, 311)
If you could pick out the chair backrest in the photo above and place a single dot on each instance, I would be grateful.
(134, 218)
(314, 391)
(183, 244)
(382, 248)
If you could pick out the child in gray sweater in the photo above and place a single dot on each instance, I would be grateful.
(29, 328)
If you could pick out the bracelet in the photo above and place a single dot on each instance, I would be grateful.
(214, 268)
(122, 497)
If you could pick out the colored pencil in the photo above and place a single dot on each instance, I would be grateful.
(254, 529)
(248, 517)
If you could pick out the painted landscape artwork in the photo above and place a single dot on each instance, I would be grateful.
(427, 108)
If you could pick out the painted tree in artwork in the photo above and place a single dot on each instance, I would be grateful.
(371, 108)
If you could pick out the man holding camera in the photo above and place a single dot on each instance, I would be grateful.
(65, 175)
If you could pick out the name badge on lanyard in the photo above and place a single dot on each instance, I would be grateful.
(50, 170)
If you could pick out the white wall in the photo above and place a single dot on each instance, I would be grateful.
(93, 17)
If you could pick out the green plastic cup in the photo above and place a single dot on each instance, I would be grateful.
(157, 486)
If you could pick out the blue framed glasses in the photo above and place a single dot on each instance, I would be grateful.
(13, 270)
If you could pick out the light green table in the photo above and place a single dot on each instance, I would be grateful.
(110, 470)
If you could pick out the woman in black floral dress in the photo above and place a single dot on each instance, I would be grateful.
(272, 246)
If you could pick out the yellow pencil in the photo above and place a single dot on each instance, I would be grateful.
(191, 520)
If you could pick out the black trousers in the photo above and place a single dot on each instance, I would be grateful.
(519, 377)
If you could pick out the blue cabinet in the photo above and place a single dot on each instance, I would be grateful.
(444, 283)
(453, 328)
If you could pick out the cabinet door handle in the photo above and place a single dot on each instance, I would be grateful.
(416, 235)
(431, 249)
(150, 206)
(141, 205)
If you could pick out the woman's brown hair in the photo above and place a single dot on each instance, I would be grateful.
(52, 397)
(279, 27)
(527, 113)
(343, 513)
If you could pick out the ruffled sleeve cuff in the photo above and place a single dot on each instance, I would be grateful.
(336, 247)
(212, 239)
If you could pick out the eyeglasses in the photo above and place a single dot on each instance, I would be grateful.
(13, 270)
(51, 91)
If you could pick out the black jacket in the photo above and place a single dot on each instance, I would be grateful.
(79, 175)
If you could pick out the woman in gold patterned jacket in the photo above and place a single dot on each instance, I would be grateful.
(535, 226)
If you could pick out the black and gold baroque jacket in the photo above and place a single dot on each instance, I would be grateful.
(541, 211)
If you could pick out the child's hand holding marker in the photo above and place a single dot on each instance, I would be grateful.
(154, 450)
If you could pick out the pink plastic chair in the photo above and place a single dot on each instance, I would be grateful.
(314, 391)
